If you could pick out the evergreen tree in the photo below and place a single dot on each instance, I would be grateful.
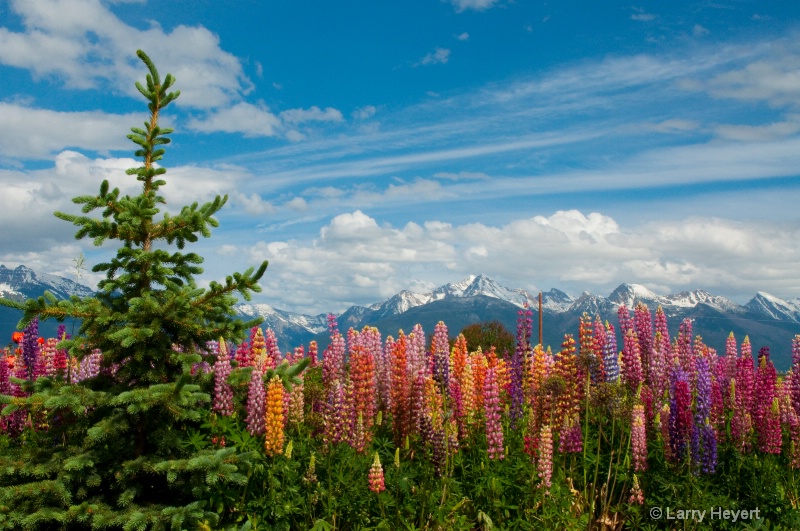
(115, 451)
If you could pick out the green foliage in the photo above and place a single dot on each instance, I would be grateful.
(121, 450)
(486, 335)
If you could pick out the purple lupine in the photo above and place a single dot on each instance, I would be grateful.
(30, 347)
(223, 392)
(680, 413)
(519, 361)
(256, 403)
(441, 355)
(610, 355)
(704, 440)
(571, 437)
(639, 438)
(89, 366)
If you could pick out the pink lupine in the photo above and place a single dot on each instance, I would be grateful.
(544, 461)
(223, 392)
(491, 404)
(742, 390)
(684, 344)
(376, 480)
(766, 412)
(643, 327)
(795, 387)
(243, 355)
(631, 362)
(636, 494)
(273, 358)
(256, 403)
(639, 438)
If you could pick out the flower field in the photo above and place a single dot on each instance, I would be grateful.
(419, 432)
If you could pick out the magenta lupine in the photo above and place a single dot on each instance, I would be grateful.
(643, 326)
(223, 392)
(544, 461)
(273, 358)
(795, 387)
(333, 357)
(766, 413)
(680, 414)
(639, 438)
(624, 316)
(491, 406)
(520, 363)
(242, 355)
(631, 362)
(742, 389)
(256, 403)
(684, 345)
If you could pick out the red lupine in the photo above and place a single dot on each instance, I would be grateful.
(376, 481)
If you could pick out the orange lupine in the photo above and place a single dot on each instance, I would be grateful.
(273, 418)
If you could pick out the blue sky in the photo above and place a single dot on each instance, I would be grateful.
(368, 147)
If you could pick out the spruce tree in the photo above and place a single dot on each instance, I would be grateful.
(114, 451)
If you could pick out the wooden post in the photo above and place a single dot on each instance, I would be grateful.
(540, 318)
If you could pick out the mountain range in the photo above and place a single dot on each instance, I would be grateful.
(768, 320)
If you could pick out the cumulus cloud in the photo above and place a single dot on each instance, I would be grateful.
(438, 56)
(357, 260)
(313, 114)
(364, 113)
(246, 118)
(476, 5)
(30, 133)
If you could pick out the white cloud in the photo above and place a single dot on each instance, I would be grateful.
(364, 113)
(31, 133)
(463, 36)
(477, 5)
(313, 114)
(643, 17)
(252, 203)
(84, 44)
(246, 118)
(438, 56)
(699, 31)
(357, 260)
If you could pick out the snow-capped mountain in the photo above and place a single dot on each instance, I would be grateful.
(278, 319)
(22, 283)
(775, 307)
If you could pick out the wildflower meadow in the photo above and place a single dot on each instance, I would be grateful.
(164, 411)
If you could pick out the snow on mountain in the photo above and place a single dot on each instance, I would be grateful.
(23, 282)
(274, 318)
(554, 301)
(690, 299)
(775, 307)
(632, 294)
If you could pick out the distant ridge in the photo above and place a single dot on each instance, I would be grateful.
(767, 319)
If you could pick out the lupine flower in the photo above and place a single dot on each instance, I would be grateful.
(639, 438)
(766, 411)
(491, 404)
(273, 358)
(223, 392)
(256, 403)
(684, 345)
(610, 359)
(795, 387)
(624, 316)
(643, 327)
(631, 362)
(441, 355)
(242, 355)
(273, 418)
(544, 462)
(30, 347)
(311, 472)
(742, 391)
(636, 496)
(680, 414)
(704, 440)
(571, 439)
(362, 376)
(599, 342)
(376, 482)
